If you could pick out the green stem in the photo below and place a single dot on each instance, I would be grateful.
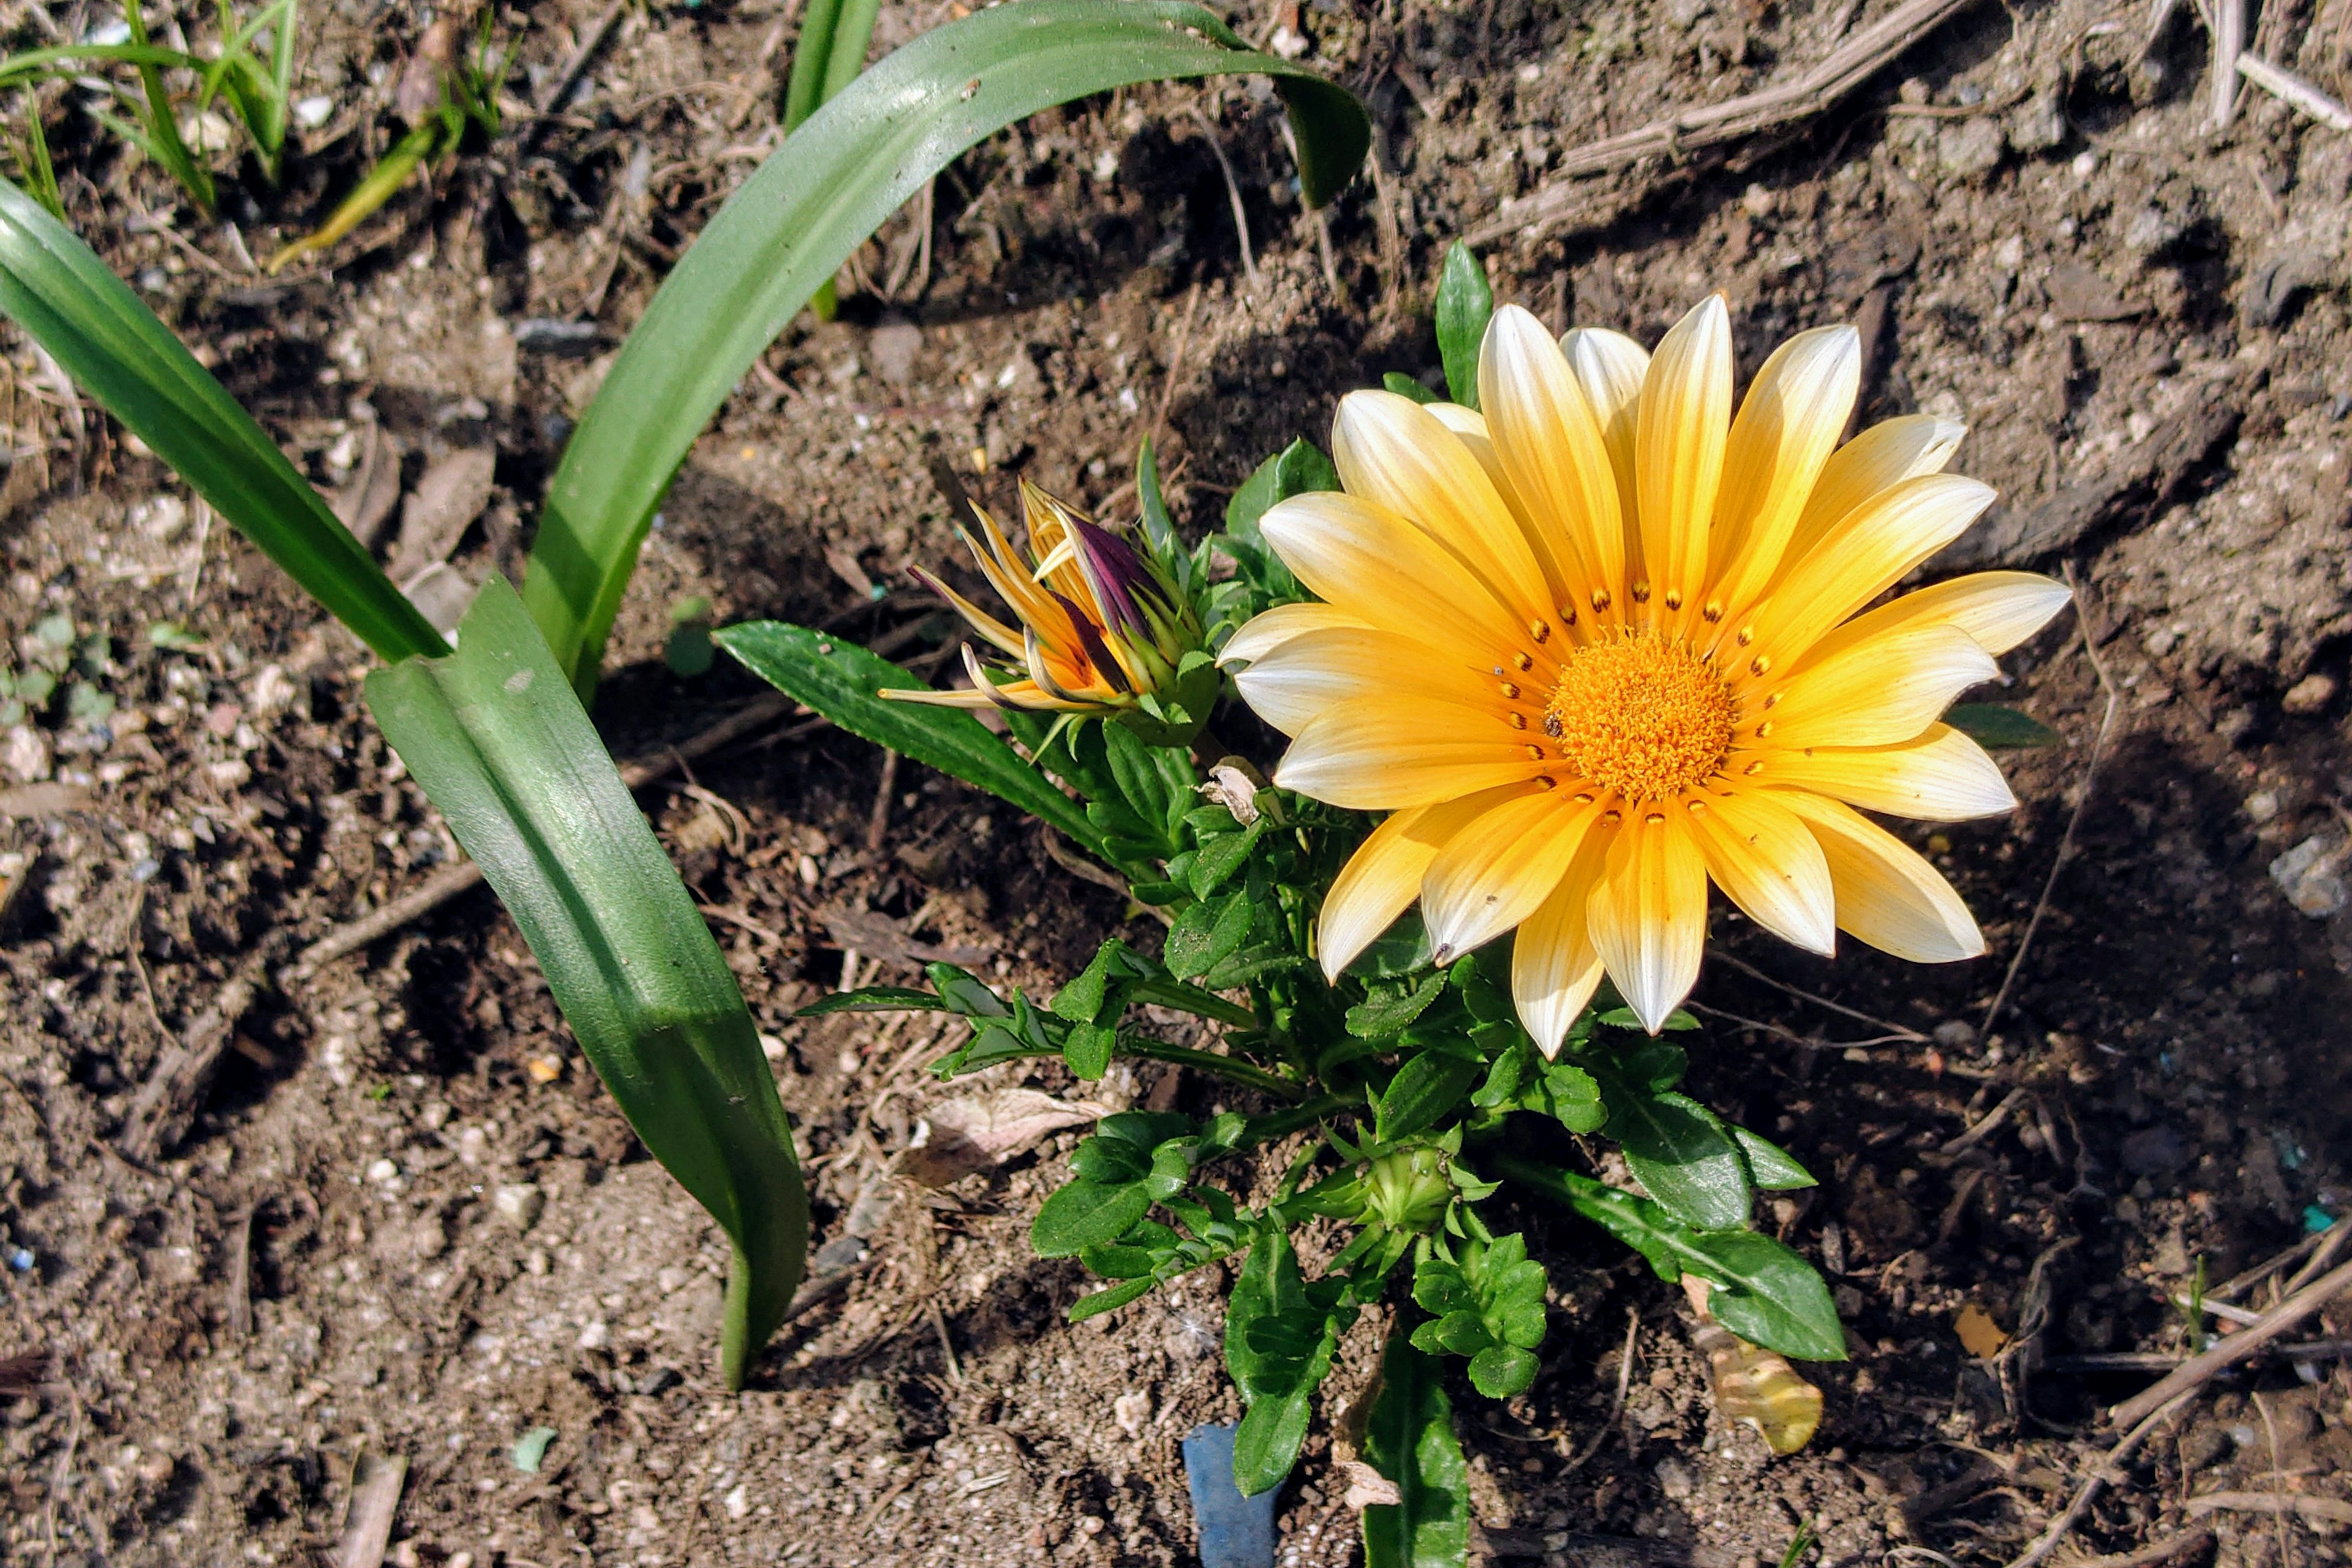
(1194, 1000)
(1307, 1113)
(1229, 1067)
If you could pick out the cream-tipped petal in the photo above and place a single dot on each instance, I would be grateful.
(1942, 776)
(1264, 632)
(1383, 754)
(1373, 563)
(1878, 460)
(1999, 609)
(1881, 692)
(1555, 968)
(1863, 555)
(1678, 441)
(1549, 440)
(1647, 912)
(1611, 368)
(1395, 453)
(1497, 871)
(1382, 877)
(1760, 853)
(1292, 683)
(1887, 894)
(1788, 424)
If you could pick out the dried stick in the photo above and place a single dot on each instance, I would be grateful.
(2229, 46)
(2289, 87)
(1175, 365)
(2063, 1525)
(1812, 93)
(1893, 1029)
(453, 879)
(877, 821)
(573, 70)
(1233, 194)
(2074, 822)
(2155, 1551)
(2192, 1373)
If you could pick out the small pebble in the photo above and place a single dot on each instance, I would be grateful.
(382, 1170)
(519, 1203)
(21, 1259)
(595, 1336)
(2309, 695)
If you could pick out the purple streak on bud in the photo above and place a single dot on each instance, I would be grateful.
(1118, 576)
(1098, 652)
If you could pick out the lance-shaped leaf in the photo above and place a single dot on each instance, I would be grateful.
(503, 748)
(57, 289)
(834, 181)
(1408, 1440)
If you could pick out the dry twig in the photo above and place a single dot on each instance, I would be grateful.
(1811, 94)
(2109, 1472)
(2195, 1372)
(2082, 806)
(1233, 194)
(2288, 88)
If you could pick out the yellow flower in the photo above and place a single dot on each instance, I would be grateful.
(1103, 630)
(1598, 644)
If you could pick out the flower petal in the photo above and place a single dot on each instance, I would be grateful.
(1760, 853)
(1381, 754)
(1266, 632)
(1788, 423)
(1999, 609)
(1469, 427)
(1878, 460)
(1678, 440)
(1877, 693)
(1291, 684)
(1555, 968)
(1887, 894)
(1547, 439)
(1382, 879)
(1380, 568)
(1867, 553)
(1395, 453)
(1611, 367)
(1647, 913)
(1497, 871)
(1942, 776)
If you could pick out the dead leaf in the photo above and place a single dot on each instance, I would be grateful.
(972, 1132)
(880, 936)
(441, 595)
(447, 499)
(1752, 1384)
(1980, 1335)
(1366, 1487)
(364, 502)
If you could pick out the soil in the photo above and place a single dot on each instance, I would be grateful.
(402, 1219)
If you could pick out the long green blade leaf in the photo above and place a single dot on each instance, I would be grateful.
(1409, 1439)
(844, 682)
(835, 181)
(504, 749)
(57, 290)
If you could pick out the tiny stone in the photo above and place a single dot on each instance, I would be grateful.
(382, 1170)
(1954, 1035)
(1131, 1410)
(1970, 148)
(519, 1205)
(1674, 1479)
(595, 1336)
(2309, 695)
(2262, 807)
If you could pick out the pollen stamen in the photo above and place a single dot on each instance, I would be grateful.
(1641, 715)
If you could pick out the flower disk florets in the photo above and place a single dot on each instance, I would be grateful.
(1641, 715)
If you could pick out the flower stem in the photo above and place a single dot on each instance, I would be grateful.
(1282, 1123)
(1194, 1000)
(1229, 1067)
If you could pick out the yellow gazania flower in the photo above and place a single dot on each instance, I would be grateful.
(1102, 628)
(1599, 644)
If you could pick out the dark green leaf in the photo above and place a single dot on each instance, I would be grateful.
(1109, 1300)
(1499, 1371)
(2001, 727)
(1770, 1166)
(1082, 1214)
(1267, 1443)
(873, 999)
(1220, 856)
(1386, 1011)
(788, 229)
(1205, 933)
(1428, 1087)
(1403, 385)
(1110, 1162)
(500, 745)
(1569, 1095)
(1409, 1438)
(1269, 1288)
(844, 682)
(1086, 1048)
(57, 289)
(1682, 1157)
(1146, 1129)
(1765, 1293)
(1464, 302)
(1396, 952)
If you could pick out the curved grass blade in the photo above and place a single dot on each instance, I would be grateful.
(54, 287)
(503, 748)
(794, 222)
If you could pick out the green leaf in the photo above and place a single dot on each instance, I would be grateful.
(1386, 1012)
(1109, 1300)
(1765, 1293)
(1683, 1158)
(1268, 1287)
(873, 999)
(844, 682)
(792, 225)
(1499, 1372)
(1084, 1214)
(1221, 854)
(502, 746)
(1403, 385)
(1426, 1089)
(1086, 1048)
(53, 286)
(1770, 1166)
(1464, 302)
(1279, 1339)
(1207, 933)
(1999, 726)
(1409, 1439)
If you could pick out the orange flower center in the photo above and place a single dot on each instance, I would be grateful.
(1641, 715)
